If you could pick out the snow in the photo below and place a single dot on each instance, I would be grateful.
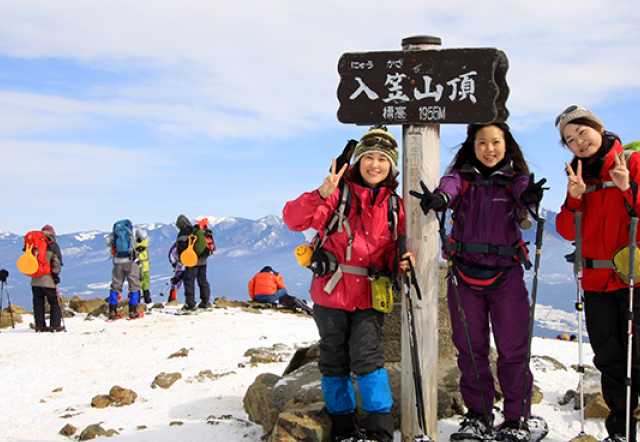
(93, 356)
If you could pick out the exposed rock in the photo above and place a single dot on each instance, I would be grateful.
(258, 401)
(182, 353)
(92, 431)
(6, 320)
(68, 430)
(584, 438)
(303, 422)
(276, 353)
(223, 302)
(547, 363)
(165, 380)
(595, 407)
(176, 423)
(101, 401)
(121, 396)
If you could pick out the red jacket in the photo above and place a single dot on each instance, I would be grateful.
(605, 222)
(373, 244)
(265, 283)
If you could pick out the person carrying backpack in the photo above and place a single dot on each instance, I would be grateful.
(199, 270)
(603, 188)
(142, 247)
(487, 185)
(121, 241)
(45, 287)
(349, 326)
(176, 279)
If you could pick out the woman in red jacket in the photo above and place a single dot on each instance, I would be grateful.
(349, 326)
(603, 185)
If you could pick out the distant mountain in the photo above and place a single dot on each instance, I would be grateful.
(243, 247)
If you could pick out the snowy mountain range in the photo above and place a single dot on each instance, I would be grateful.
(244, 246)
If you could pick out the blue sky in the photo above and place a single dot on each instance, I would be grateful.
(152, 108)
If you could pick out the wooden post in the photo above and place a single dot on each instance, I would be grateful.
(421, 161)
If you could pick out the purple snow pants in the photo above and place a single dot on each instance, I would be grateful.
(508, 308)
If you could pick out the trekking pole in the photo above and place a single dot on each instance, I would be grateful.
(534, 291)
(1, 290)
(64, 325)
(174, 275)
(633, 230)
(463, 319)
(13, 323)
(415, 357)
(577, 273)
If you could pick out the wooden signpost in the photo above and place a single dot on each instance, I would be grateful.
(420, 88)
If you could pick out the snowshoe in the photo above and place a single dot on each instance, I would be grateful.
(538, 427)
(513, 431)
(186, 310)
(473, 428)
(114, 317)
(205, 306)
(136, 315)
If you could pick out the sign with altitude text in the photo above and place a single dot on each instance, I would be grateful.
(423, 86)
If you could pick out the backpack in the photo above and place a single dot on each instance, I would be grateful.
(36, 242)
(123, 241)
(205, 245)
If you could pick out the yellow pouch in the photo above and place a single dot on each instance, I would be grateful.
(621, 259)
(188, 257)
(382, 294)
(27, 263)
(304, 254)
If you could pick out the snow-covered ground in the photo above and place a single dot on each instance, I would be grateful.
(93, 356)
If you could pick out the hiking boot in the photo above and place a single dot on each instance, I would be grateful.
(205, 306)
(379, 427)
(351, 436)
(615, 438)
(186, 308)
(41, 328)
(513, 431)
(57, 329)
(147, 296)
(474, 427)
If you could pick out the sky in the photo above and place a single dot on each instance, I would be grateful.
(149, 109)
(131, 354)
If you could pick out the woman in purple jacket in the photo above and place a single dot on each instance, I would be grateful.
(487, 186)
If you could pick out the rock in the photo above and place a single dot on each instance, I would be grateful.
(302, 421)
(121, 396)
(277, 353)
(258, 401)
(223, 302)
(182, 353)
(101, 401)
(303, 356)
(176, 423)
(78, 304)
(68, 430)
(92, 431)
(6, 319)
(595, 407)
(547, 363)
(585, 438)
(165, 380)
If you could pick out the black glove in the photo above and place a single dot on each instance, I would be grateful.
(430, 201)
(533, 193)
(3, 275)
(345, 156)
(56, 278)
(140, 249)
(175, 280)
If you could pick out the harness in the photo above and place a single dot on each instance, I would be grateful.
(519, 251)
(340, 222)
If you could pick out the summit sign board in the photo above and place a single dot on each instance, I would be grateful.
(423, 87)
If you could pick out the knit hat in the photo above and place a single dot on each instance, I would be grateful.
(48, 228)
(379, 140)
(574, 112)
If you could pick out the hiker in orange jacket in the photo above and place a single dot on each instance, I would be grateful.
(267, 286)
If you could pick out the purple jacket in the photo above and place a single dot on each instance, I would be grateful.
(486, 214)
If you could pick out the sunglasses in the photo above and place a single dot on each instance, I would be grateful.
(369, 142)
(566, 112)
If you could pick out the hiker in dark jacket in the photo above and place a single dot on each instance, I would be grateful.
(191, 274)
(46, 287)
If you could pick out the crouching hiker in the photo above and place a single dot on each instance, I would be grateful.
(364, 245)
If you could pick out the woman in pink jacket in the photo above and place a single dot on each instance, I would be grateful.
(365, 246)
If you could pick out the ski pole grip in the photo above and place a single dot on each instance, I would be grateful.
(633, 230)
(539, 231)
(402, 245)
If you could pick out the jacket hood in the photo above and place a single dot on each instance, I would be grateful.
(182, 221)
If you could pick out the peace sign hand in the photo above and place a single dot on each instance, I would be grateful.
(620, 174)
(330, 183)
(576, 186)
